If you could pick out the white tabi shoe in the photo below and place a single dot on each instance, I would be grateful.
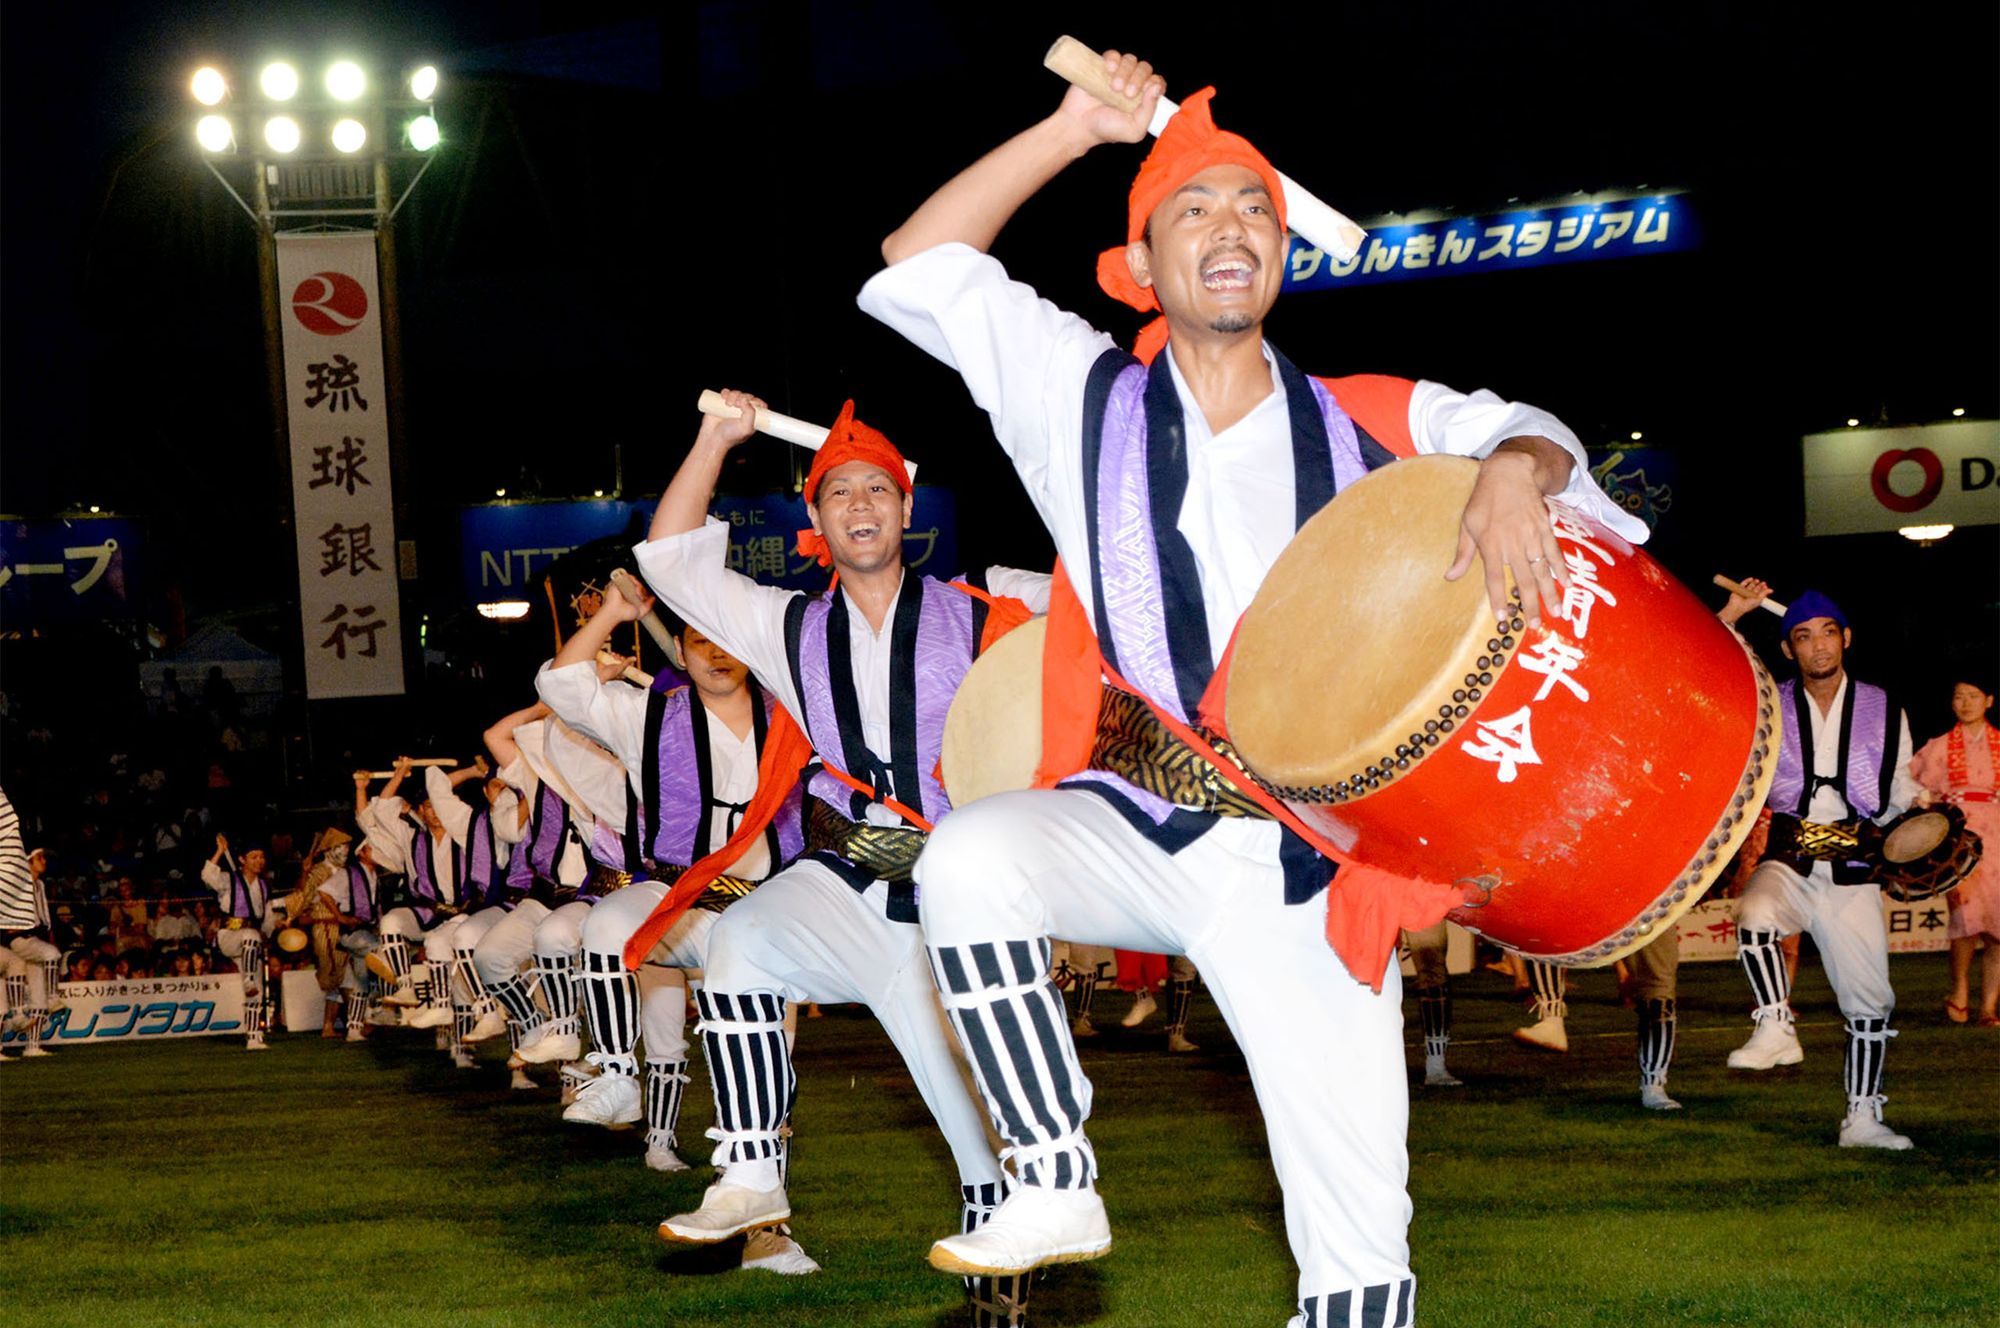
(1143, 1006)
(610, 1100)
(662, 1157)
(544, 1045)
(1653, 1097)
(1549, 1034)
(462, 1060)
(428, 1016)
(401, 995)
(1863, 1128)
(1775, 1042)
(357, 1033)
(1436, 1076)
(34, 1049)
(385, 1016)
(727, 1210)
(775, 1252)
(1083, 1028)
(1177, 1042)
(254, 1042)
(1032, 1227)
(491, 1025)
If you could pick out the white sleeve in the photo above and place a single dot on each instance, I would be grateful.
(1031, 588)
(451, 808)
(217, 880)
(1903, 788)
(388, 835)
(506, 817)
(612, 715)
(1024, 360)
(1453, 423)
(690, 572)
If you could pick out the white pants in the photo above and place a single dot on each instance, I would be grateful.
(509, 944)
(662, 1001)
(1845, 922)
(1325, 1052)
(807, 934)
(29, 953)
(560, 934)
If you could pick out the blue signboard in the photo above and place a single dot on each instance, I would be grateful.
(77, 570)
(1502, 242)
(505, 548)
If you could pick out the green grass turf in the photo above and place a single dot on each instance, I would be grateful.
(324, 1184)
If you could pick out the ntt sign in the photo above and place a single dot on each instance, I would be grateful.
(1860, 480)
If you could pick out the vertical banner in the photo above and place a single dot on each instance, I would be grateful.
(337, 403)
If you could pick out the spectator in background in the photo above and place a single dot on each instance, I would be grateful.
(1962, 767)
(173, 925)
(130, 916)
(80, 965)
(63, 931)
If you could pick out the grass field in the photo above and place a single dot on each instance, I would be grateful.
(323, 1184)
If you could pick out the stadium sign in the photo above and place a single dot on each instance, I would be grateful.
(144, 1008)
(1860, 480)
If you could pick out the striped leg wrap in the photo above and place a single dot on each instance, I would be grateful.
(1009, 1016)
(997, 1302)
(395, 951)
(1867, 1041)
(1658, 1023)
(1086, 991)
(1764, 963)
(1434, 1012)
(1389, 1305)
(750, 1068)
(1550, 988)
(1180, 999)
(356, 1008)
(517, 998)
(665, 1082)
(557, 975)
(251, 962)
(16, 999)
(611, 995)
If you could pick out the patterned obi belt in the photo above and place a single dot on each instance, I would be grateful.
(887, 851)
(1135, 745)
(720, 893)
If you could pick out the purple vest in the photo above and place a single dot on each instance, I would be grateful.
(360, 894)
(242, 902)
(1868, 738)
(934, 639)
(424, 884)
(1146, 600)
(485, 879)
(672, 823)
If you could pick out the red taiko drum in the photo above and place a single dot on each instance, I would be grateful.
(1585, 780)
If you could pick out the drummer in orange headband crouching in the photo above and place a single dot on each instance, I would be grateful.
(1170, 489)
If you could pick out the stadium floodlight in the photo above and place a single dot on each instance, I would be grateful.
(208, 86)
(424, 83)
(505, 610)
(345, 81)
(422, 133)
(281, 132)
(279, 81)
(349, 136)
(214, 133)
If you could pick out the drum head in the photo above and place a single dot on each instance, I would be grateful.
(291, 940)
(1915, 837)
(993, 734)
(1355, 632)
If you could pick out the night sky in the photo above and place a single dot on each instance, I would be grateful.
(636, 203)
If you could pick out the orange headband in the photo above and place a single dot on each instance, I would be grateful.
(848, 440)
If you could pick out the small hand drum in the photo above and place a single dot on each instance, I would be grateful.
(1926, 852)
(291, 940)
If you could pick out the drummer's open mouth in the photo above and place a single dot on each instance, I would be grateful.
(1231, 271)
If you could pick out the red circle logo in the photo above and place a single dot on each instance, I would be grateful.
(1933, 485)
(330, 303)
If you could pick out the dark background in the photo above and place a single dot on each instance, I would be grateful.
(648, 200)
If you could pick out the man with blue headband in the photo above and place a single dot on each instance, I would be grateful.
(1845, 754)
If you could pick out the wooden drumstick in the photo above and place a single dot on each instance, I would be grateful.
(1736, 588)
(664, 639)
(449, 763)
(629, 673)
(809, 436)
(1311, 219)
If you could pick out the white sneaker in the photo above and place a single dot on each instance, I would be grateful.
(1775, 1042)
(1654, 1097)
(727, 1210)
(574, 1076)
(357, 1033)
(1549, 1034)
(428, 1016)
(254, 1042)
(1864, 1131)
(402, 994)
(1436, 1076)
(662, 1157)
(543, 1045)
(385, 1016)
(491, 1025)
(1082, 1028)
(775, 1252)
(1142, 1009)
(609, 1100)
(34, 1049)
(462, 1060)
(1178, 1042)
(1033, 1227)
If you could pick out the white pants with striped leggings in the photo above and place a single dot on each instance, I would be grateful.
(1325, 1052)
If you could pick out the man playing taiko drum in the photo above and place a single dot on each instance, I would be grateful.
(1243, 449)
